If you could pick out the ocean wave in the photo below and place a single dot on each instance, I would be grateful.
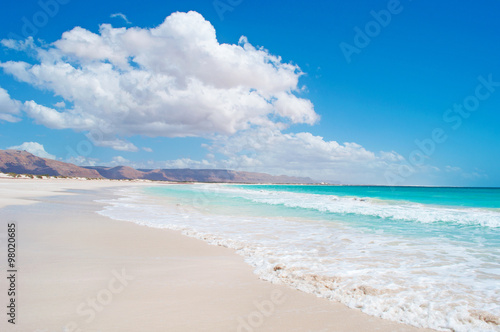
(396, 210)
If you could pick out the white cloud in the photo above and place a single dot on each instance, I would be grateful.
(9, 108)
(83, 161)
(80, 121)
(60, 104)
(470, 174)
(147, 149)
(19, 45)
(98, 138)
(303, 154)
(183, 163)
(53, 119)
(122, 16)
(175, 80)
(117, 144)
(452, 169)
(119, 161)
(35, 148)
(269, 150)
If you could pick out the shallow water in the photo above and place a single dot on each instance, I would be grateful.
(427, 257)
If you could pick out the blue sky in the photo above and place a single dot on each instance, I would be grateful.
(315, 111)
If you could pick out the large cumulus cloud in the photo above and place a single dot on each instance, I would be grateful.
(174, 80)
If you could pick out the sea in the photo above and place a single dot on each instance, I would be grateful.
(424, 256)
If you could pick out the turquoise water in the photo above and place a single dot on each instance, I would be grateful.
(455, 213)
(428, 257)
(468, 197)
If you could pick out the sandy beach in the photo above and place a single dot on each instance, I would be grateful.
(80, 271)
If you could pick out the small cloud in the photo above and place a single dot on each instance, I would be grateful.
(82, 161)
(475, 174)
(114, 143)
(470, 175)
(60, 104)
(19, 45)
(119, 160)
(147, 149)
(452, 169)
(35, 148)
(9, 108)
(122, 16)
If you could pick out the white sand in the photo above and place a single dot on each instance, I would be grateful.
(85, 272)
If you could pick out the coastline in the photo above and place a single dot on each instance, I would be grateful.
(87, 272)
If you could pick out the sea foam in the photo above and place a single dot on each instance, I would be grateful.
(406, 211)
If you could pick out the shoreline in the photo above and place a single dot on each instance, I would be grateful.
(160, 182)
(143, 278)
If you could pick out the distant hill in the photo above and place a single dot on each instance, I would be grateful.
(118, 172)
(22, 162)
(195, 175)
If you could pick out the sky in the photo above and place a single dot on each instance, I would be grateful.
(366, 92)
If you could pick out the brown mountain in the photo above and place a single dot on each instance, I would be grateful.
(195, 175)
(118, 172)
(22, 162)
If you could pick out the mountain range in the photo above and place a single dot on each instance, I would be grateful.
(22, 162)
